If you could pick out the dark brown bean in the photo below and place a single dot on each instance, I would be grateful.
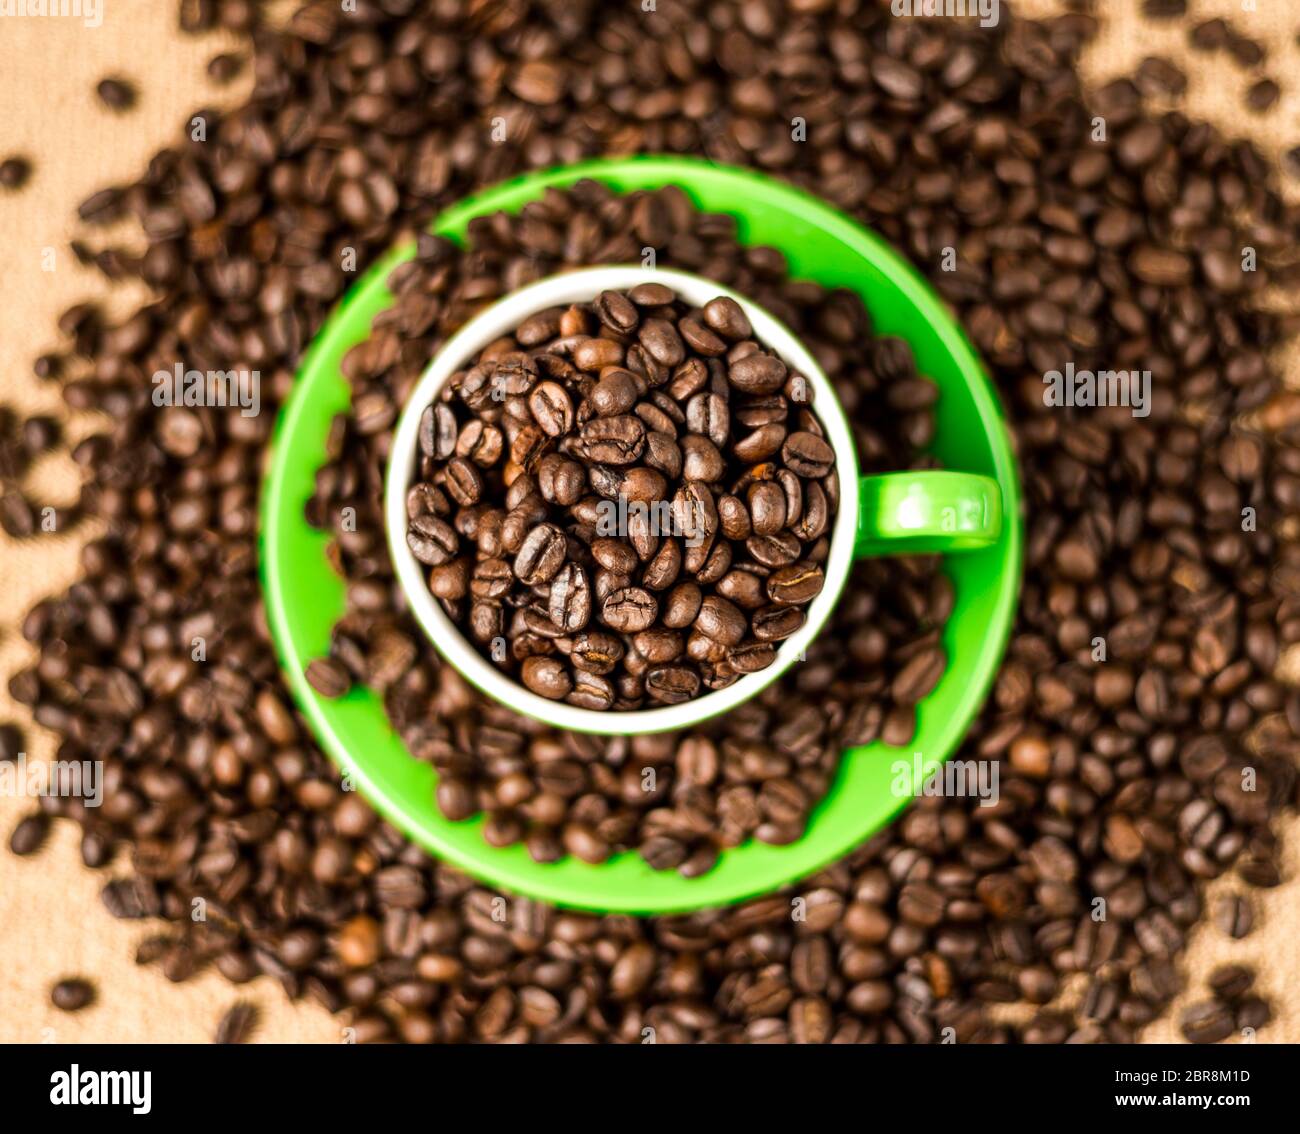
(72, 994)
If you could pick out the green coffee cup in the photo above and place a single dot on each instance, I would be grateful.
(970, 509)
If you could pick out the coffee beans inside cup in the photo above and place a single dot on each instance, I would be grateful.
(626, 502)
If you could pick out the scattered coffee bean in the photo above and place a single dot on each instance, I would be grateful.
(11, 742)
(72, 994)
(14, 172)
(1208, 1021)
(239, 1023)
(226, 67)
(1245, 51)
(1233, 915)
(1210, 35)
(116, 94)
(1262, 95)
(1231, 982)
(29, 835)
(328, 677)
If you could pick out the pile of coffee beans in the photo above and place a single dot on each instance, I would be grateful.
(677, 798)
(644, 494)
(1133, 768)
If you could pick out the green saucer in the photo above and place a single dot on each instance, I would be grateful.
(304, 597)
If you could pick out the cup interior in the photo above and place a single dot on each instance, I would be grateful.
(500, 319)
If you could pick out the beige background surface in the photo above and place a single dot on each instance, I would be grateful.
(52, 923)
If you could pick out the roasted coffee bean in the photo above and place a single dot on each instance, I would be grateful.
(642, 485)
(541, 556)
(651, 295)
(15, 172)
(1253, 1012)
(463, 482)
(919, 676)
(547, 677)
(597, 652)
(559, 480)
(17, 516)
(807, 454)
(615, 394)
(672, 684)
(72, 994)
(728, 318)
(616, 311)
(707, 414)
(1261, 95)
(757, 373)
(797, 584)
(328, 677)
(570, 601)
(29, 835)
(1233, 915)
(780, 549)
(702, 460)
(40, 434)
(700, 339)
(662, 341)
(595, 355)
(1207, 1022)
(764, 442)
(238, 1024)
(591, 691)
(629, 610)
(616, 440)
(766, 508)
(551, 408)
(480, 443)
(733, 518)
(682, 605)
(721, 620)
(1231, 982)
(226, 67)
(750, 657)
(12, 743)
(432, 541)
(663, 453)
(775, 623)
(116, 94)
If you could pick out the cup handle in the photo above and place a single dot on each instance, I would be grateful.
(927, 511)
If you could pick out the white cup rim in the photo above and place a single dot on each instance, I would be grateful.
(500, 319)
